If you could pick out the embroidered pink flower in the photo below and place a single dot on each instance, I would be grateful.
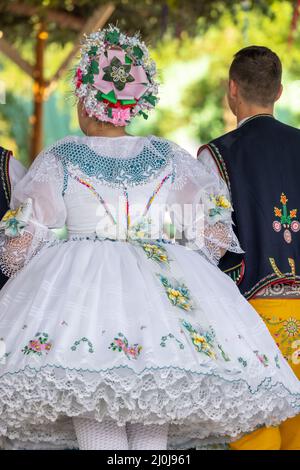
(133, 89)
(132, 351)
(39, 345)
(35, 345)
(120, 344)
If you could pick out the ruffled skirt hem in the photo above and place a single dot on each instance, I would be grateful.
(202, 408)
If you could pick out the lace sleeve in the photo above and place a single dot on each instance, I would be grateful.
(37, 206)
(200, 204)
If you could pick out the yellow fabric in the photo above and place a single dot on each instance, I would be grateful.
(290, 434)
(262, 439)
(282, 317)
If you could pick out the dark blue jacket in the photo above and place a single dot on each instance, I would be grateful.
(5, 192)
(260, 161)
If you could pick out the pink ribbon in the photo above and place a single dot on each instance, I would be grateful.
(120, 115)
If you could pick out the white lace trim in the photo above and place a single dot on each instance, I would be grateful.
(202, 408)
(17, 252)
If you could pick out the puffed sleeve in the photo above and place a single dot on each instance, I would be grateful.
(16, 171)
(200, 206)
(37, 206)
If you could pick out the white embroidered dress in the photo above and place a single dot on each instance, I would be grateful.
(112, 325)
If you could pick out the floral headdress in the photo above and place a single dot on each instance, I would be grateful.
(115, 77)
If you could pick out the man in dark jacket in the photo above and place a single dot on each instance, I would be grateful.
(260, 161)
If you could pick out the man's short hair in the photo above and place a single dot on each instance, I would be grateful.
(258, 72)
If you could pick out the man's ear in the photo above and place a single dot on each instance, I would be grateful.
(279, 92)
(232, 88)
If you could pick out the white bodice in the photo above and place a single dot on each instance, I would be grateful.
(86, 215)
(122, 189)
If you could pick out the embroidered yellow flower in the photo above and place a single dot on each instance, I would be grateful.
(292, 326)
(10, 214)
(293, 213)
(222, 201)
(156, 252)
(201, 340)
(177, 293)
(198, 339)
(140, 234)
(286, 333)
(173, 292)
(177, 297)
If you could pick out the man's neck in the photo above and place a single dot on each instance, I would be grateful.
(246, 111)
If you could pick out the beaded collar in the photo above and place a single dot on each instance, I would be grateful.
(115, 171)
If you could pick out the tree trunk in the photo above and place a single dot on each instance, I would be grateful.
(38, 93)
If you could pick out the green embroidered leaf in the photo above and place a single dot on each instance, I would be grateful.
(124, 102)
(109, 96)
(138, 52)
(112, 37)
(151, 99)
(127, 68)
(109, 112)
(88, 78)
(145, 116)
(115, 62)
(93, 51)
(128, 60)
(94, 67)
(120, 85)
(130, 79)
(107, 77)
(99, 96)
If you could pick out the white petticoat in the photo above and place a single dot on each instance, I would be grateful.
(94, 327)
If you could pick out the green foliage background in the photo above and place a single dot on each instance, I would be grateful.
(193, 50)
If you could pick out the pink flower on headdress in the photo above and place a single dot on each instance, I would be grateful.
(127, 81)
(120, 116)
(78, 78)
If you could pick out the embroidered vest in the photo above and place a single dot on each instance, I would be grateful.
(260, 162)
(5, 192)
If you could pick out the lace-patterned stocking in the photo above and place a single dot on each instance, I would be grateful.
(147, 437)
(92, 435)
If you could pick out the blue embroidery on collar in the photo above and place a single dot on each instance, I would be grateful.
(112, 170)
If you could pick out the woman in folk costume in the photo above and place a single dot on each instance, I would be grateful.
(119, 337)
(11, 171)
